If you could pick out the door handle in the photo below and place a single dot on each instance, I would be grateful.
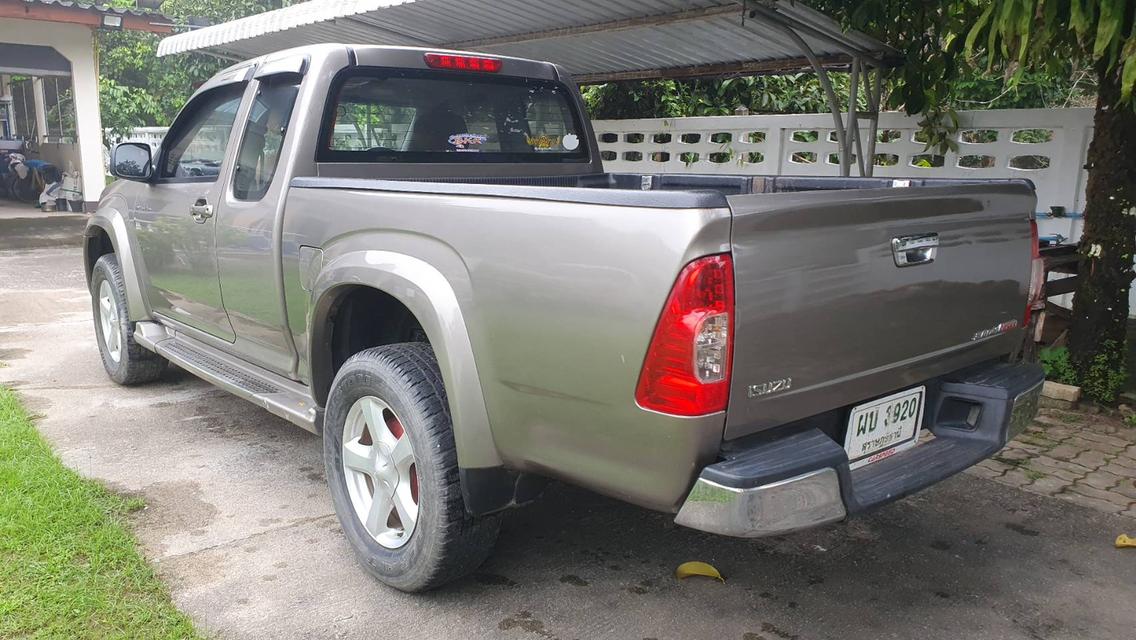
(201, 211)
(912, 250)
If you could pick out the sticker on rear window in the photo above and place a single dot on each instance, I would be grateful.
(465, 140)
(570, 142)
(542, 142)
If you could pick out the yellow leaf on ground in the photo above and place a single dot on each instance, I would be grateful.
(687, 569)
(1122, 541)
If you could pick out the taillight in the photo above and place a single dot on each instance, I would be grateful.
(687, 368)
(462, 63)
(1036, 300)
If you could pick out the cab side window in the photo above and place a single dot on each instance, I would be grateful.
(197, 145)
(264, 137)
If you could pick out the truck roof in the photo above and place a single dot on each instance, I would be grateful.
(382, 55)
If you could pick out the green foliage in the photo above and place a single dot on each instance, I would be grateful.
(1055, 361)
(793, 93)
(1104, 377)
(1106, 374)
(69, 567)
(136, 88)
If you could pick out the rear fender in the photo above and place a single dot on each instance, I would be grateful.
(430, 297)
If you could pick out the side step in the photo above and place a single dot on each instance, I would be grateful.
(281, 396)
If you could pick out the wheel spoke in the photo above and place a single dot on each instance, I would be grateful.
(373, 415)
(379, 512)
(357, 457)
(404, 505)
(104, 305)
(402, 455)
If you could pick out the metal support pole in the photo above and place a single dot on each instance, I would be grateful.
(873, 91)
(853, 126)
(833, 102)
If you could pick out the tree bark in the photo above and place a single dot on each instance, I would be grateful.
(1100, 306)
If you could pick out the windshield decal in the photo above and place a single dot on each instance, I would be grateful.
(542, 142)
(465, 140)
(570, 142)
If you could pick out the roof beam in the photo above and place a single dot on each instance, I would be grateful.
(607, 27)
(754, 67)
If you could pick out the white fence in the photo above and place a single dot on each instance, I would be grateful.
(1047, 146)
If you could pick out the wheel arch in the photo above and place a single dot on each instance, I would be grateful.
(107, 232)
(428, 296)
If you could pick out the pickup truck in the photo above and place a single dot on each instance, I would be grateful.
(418, 255)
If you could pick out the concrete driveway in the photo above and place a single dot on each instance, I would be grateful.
(240, 525)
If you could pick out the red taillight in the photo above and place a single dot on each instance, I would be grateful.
(1036, 300)
(687, 368)
(463, 63)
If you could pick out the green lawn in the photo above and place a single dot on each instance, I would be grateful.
(69, 566)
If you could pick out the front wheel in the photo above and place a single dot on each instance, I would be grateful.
(392, 470)
(125, 361)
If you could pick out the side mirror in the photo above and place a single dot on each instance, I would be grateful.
(132, 161)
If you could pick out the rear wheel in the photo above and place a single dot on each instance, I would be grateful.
(392, 470)
(125, 361)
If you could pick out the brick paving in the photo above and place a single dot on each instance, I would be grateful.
(1073, 455)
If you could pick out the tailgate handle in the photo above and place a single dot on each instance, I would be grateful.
(912, 250)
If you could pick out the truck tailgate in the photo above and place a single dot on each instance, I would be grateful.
(826, 318)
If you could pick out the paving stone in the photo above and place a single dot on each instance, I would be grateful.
(994, 466)
(1131, 513)
(1048, 485)
(1013, 454)
(1092, 459)
(1038, 464)
(1014, 478)
(1037, 439)
(984, 472)
(1126, 488)
(1125, 461)
(1055, 428)
(1115, 469)
(1065, 451)
(1071, 467)
(1115, 499)
(1101, 480)
(1094, 503)
(1027, 447)
(1082, 441)
(1114, 441)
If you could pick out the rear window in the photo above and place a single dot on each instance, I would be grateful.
(450, 117)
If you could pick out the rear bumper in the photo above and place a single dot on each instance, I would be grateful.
(802, 479)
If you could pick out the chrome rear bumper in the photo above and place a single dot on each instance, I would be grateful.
(808, 500)
(803, 479)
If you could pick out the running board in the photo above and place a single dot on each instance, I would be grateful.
(281, 396)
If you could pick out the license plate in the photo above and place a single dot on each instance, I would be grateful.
(882, 428)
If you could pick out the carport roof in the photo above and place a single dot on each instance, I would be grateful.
(596, 40)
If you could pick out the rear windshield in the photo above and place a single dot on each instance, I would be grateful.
(451, 117)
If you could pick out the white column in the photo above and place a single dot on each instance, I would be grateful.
(88, 121)
(40, 109)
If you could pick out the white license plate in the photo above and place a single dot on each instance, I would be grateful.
(884, 427)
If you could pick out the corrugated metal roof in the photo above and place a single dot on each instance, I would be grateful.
(99, 8)
(593, 39)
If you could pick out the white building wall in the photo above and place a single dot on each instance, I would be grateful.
(77, 44)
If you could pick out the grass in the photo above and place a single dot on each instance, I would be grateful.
(69, 567)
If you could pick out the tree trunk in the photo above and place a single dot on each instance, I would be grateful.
(1100, 307)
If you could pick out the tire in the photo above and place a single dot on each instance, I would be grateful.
(400, 387)
(125, 361)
